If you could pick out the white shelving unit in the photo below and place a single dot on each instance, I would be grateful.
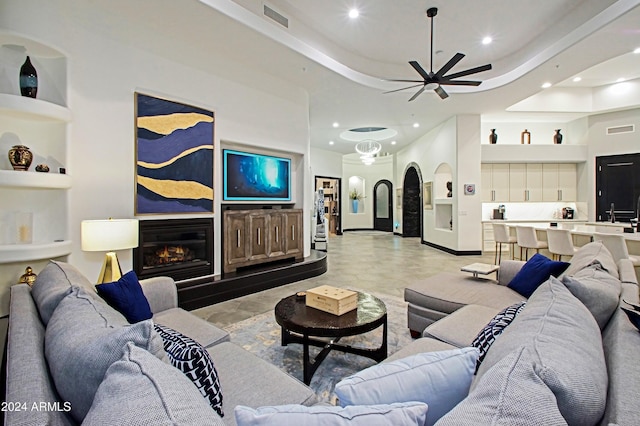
(42, 125)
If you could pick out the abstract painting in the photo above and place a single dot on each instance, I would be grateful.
(174, 157)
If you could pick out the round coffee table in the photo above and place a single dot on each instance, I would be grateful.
(300, 322)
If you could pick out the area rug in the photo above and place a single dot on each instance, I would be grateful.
(260, 335)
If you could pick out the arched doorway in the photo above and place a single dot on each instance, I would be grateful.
(382, 206)
(411, 203)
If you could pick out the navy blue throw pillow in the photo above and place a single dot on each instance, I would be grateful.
(194, 361)
(126, 297)
(537, 270)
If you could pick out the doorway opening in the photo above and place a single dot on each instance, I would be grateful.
(332, 189)
(411, 203)
(382, 206)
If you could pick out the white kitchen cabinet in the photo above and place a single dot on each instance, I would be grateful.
(525, 182)
(495, 182)
(559, 182)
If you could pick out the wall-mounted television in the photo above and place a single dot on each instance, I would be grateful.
(255, 177)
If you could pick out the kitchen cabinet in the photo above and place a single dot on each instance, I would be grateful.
(495, 182)
(253, 237)
(525, 182)
(559, 182)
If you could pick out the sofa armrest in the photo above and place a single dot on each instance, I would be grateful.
(161, 292)
(627, 272)
(508, 270)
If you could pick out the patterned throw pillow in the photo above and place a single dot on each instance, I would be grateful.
(194, 361)
(494, 328)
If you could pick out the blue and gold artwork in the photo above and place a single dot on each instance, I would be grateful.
(174, 157)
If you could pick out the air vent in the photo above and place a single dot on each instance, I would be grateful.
(628, 128)
(270, 13)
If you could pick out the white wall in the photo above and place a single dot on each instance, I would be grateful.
(105, 71)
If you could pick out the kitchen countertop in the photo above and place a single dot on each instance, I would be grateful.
(534, 220)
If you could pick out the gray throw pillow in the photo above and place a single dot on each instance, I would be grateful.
(566, 345)
(53, 284)
(510, 393)
(139, 389)
(84, 337)
(597, 290)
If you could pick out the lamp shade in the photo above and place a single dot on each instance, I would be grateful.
(109, 234)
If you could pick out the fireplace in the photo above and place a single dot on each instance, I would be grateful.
(179, 248)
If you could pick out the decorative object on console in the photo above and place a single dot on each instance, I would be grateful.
(557, 138)
(29, 277)
(525, 137)
(43, 168)
(28, 79)
(493, 137)
(174, 157)
(20, 157)
(109, 235)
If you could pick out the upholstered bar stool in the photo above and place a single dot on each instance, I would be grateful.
(560, 243)
(501, 236)
(527, 239)
(617, 245)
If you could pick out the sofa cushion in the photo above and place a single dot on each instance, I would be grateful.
(439, 379)
(594, 252)
(412, 413)
(53, 284)
(565, 343)
(510, 393)
(537, 270)
(187, 323)
(84, 337)
(195, 362)
(597, 290)
(494, 328)
(126, 297)
(462, 326)
(140, 389)
(418, 346)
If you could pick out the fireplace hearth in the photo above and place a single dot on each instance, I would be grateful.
(179, 248)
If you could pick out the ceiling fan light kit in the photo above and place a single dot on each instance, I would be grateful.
(435, 81)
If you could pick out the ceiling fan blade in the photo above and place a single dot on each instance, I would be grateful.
(418, 93)
(452, 63)
(440, 91)
(468, 72)
(407, 81)
(461, 82)
(416, 66)
(404, 88)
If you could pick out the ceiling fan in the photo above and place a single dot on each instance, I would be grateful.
(435, 81)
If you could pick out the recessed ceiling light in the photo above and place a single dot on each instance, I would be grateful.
(546, 85)
(637, 50)
(577, 79)
(336, 124)
(487, 40)
(331, 142)
(393, 142)
(353, 13)
(416, 125)
(620, 80)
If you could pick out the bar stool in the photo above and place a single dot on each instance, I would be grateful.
(501, 236)
(560, 243)
(527, 239)
(617, 245)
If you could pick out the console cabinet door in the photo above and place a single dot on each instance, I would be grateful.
(293, 233)
(235, 240)
(276, 235)
(258, 236)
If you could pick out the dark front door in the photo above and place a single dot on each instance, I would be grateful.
(411, 205)
(382, 206)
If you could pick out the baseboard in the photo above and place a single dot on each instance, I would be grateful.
(451, 251)
(358, 229)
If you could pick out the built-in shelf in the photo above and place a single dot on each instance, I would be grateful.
(25, 252)
(543, 153)
(443, 201)
(34, 180)
(32, 109)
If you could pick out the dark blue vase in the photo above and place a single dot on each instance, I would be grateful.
(28, 79)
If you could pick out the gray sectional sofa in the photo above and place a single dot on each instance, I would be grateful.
(34, 389)
(569, 357)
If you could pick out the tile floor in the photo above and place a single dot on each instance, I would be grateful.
(366, 260)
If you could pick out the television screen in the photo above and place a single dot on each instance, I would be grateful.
(255, 177)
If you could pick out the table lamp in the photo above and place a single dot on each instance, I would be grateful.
(109, 235)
